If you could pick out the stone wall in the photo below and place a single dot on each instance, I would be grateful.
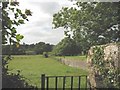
(111, 51)
(74, 63)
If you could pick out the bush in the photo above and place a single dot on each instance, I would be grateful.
(45, 54)
(13, 80)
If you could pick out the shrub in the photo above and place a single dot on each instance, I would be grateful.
(45, 54)
(13, 80)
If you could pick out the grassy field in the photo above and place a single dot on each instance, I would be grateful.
(73, 57)
(32, 67)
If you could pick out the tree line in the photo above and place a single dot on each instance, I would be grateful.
(26, 49)
(66, 47)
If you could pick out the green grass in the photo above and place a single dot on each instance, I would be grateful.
(33, 66)
(73, 57)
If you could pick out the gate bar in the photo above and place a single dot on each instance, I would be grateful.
(56, 83)
(79, 78)
(43, 81)
(64, 83)
(47, 82)
(71, 82)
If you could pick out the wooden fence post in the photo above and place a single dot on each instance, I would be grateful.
(43, 82)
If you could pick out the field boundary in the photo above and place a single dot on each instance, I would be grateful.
(73, 63)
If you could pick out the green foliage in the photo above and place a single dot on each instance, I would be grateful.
(42, 47)
(23, 49)
(92, 23)
(13, 80)
(19, 37)
(105, 69)
(8, 27)
(9, 35)
(66, 47)
(13, 50)
(45, 54)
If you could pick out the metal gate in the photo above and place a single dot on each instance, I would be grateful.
(45, 82)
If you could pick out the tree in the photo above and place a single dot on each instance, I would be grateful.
(67, 46)
(14, 50)
(42, 47)
(92, 23)
(8, 24)
(9, 35)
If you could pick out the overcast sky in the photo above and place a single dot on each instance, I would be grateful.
(39, 27)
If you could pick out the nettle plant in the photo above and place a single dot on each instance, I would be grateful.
(105, 69)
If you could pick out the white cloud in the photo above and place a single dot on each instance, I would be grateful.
(39, 27)
(47, 7)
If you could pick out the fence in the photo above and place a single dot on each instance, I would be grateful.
(45, 82)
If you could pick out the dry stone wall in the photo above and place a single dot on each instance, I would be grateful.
(74, 63)
(111, 52)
